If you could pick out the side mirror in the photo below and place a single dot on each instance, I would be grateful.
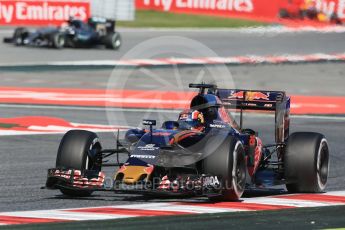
(150, 123)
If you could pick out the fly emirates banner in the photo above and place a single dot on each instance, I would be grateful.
(41, 12)
(262, 10)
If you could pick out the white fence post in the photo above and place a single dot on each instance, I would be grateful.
(122, 10)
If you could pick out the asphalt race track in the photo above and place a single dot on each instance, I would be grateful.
(223, 42)
(323, 79)
(25, 159)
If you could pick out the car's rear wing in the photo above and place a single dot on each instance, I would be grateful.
(262, 100)
(250, 99)
(275, 101)
(100, 23)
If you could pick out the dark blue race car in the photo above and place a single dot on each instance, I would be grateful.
(76, 33)
(205, 152)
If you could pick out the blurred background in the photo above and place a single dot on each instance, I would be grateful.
(287, 12)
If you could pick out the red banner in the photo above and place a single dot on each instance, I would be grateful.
(227, 8)
(262, 10)
(41, 12)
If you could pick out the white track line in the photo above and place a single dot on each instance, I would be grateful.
(335, 193)
(237, 60)
(178, 208)
(64, 215)
(107, 212)
(73, 214)
(288, 202)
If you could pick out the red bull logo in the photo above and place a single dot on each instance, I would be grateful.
(250, 96)
(184, 116)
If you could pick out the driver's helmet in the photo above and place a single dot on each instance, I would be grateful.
(72, 21)
(192, 119)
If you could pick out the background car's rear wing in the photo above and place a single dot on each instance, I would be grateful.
(275, 101)
(99, 23)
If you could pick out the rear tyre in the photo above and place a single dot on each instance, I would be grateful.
(113, 41)
(306, 162)
(73, 154)
(19, 35)
(58, 40)
(228, 161)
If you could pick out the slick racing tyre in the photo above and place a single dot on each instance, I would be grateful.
(227, 161)
(306, 162)
(113, 41)
(57, 40)
(19, 35)
(73, 154)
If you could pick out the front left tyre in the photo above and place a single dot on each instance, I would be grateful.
(227, 161)
(57, 40)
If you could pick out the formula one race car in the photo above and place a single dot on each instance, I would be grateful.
(204, 153)
(76, 33)
(306, 9)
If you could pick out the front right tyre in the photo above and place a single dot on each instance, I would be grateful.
(73, 154)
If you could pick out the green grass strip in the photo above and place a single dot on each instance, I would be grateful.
(150, 18)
